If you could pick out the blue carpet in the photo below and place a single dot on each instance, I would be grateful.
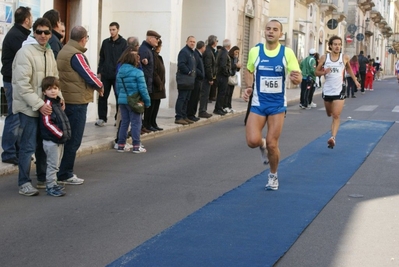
(249, 226)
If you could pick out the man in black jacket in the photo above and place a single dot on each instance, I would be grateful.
(195, 94)
(223, 64)
(55, 41)
(186, 66)
(11, 44)
(147, 62)
(363, 61)
(111, 49)
(210, 74)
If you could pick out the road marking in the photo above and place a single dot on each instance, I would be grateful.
(367, 108)
(395, 109)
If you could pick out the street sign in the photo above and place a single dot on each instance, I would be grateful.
(332, 24)
(349, 39)
(352, 28)
(360, 37)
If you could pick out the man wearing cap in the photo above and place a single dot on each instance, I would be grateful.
(147, 62)
(308, 67)
(111, 49)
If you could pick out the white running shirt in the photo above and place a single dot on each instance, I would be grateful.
(334, 80)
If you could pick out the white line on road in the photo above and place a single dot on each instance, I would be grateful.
(395, 109)
(367, 108)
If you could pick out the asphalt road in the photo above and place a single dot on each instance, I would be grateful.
(128, 198)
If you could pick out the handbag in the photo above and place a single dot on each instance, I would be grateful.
(134, 101)
(184, 81)
(233, 80)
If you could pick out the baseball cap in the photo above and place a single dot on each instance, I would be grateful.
(312, 51)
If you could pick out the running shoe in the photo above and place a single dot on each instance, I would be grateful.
(272, 182)
(331, 142)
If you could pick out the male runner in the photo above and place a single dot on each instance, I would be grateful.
(332, 66)
(270, 64)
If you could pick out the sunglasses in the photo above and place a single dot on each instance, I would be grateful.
(40, 32)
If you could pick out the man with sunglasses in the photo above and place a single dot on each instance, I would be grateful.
(32, 63)
(11, 44)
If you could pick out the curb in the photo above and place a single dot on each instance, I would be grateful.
(95, 146)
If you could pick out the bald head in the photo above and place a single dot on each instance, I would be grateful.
(78, 33)
(133, 42)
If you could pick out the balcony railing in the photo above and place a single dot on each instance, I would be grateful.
(328, 6)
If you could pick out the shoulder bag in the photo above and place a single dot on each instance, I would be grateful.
(233, 80)
(134, 101)
(185, 81)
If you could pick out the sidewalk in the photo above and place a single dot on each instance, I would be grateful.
(96, 139)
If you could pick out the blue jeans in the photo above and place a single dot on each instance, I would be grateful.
(9, 140)
(181, 104)
(27, 139)
(77, 119)
(132, 118)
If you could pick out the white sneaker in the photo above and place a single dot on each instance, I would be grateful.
(227, 110)
(232, 111)
(28, 190)
(128, 147)
(100, 123)
(263, 152)
(272, 182)
(313, 105)
(74, 180)
(139, 150)
(116, 146)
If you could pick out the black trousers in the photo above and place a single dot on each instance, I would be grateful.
(192, 106)
(363, 77)
(222, 88)
(228, 97)
(155, 103)
(350, 88)
(103, 100)
(148, 113)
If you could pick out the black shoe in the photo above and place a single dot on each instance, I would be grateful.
(158, 128)
(152, 129)
(193, 118)
(219, 112)
(11, 161)
(353, 96)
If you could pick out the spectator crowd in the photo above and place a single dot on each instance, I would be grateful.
(49, 83)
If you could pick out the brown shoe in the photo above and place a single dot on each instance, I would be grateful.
(181, 121)
(145, 130)
(205, 115)
(189, 121)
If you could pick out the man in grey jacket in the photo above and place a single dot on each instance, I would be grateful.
(31, 64)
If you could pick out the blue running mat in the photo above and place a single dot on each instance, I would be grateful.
(249, 226)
